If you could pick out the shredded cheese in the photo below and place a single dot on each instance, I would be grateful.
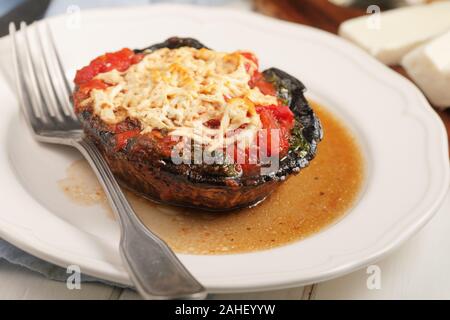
(180, 90)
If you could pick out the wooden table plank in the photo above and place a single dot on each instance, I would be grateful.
(287, 294)
(321, 14)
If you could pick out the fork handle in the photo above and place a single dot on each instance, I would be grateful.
(153, 267)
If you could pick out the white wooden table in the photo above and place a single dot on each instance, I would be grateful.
(418, 270)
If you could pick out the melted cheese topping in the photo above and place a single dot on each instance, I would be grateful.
(180, 90)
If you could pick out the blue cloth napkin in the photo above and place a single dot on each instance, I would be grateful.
(19, 257)
(7, 251)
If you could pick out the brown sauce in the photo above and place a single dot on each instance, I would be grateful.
(302, 206)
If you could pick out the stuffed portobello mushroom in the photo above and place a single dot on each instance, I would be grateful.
(185, 125)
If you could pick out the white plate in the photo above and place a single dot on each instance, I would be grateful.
(404, 141)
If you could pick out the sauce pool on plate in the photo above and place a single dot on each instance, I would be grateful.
(302, 206)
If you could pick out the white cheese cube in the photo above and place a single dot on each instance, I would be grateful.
(429, 67)
(389, 35)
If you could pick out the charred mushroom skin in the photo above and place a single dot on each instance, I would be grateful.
(307, 132)
(216, 187)
(174, 43)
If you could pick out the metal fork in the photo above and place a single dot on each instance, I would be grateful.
(43, 93)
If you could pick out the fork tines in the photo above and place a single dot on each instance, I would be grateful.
(42, 87)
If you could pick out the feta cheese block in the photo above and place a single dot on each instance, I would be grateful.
(429, 67)
(389, 35)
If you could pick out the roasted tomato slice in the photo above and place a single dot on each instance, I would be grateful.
(257, 79)
(123, 137)
(264, 86)
(273, 117)
(278, 118)
(250, 56)
(120, 60)
(84, 89)
(84, 79)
